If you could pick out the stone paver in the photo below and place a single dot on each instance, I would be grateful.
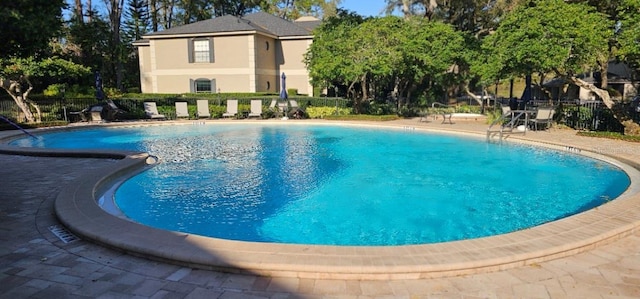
(36, 264)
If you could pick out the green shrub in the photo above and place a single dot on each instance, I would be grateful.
(610, 135)
(53, 90)
(323, 112)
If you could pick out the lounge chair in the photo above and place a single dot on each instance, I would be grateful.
(95, 113)
(544, 116)
(151, 110)
(506, 114)
(256, 108)
(182, 110)
(294, 104)
(232, 108)
(203, 109)
(296, 111)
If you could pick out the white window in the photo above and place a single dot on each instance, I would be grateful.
(201, 51)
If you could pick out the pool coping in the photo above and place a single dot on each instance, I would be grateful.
(76, 207)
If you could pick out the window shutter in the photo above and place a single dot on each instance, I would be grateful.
(190, 49)
(211, 56)
(192, 86)
(213, 86)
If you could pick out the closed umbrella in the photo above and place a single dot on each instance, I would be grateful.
(283, 95)
(283, 87)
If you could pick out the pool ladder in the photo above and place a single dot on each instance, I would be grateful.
(510, 127)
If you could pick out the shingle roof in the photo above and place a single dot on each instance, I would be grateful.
(260, 21)
(277, 26)
(309, 25)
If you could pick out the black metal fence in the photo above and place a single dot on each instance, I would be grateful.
(584, 115)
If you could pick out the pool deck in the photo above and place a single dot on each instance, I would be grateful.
(595, 255)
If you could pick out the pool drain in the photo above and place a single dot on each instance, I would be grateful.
(63, 234)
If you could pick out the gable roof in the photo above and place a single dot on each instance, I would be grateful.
(259, 22)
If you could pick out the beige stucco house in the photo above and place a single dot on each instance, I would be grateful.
(227, 54)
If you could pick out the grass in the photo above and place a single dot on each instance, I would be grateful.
(611, 135)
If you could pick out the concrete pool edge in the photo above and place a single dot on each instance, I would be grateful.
(77, 209)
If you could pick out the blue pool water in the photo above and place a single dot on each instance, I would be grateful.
(343, 185)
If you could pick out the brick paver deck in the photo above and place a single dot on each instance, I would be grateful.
(35, 263)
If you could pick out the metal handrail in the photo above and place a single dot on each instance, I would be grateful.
(514, 120)
(17, 126)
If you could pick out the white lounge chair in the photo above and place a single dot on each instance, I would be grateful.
(293, 104)
(544, 116)
(232, 108)
(203, 109)
(296, 111)
(182, 110)
(256, 108)
(151, 110)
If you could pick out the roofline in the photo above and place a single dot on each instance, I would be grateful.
(248, 32)
(141, 43)
(296, 37)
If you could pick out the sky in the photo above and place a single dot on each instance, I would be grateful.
(365, 8)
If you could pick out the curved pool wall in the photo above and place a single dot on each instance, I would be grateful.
(76, 207)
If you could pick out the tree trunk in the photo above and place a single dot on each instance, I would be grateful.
(476, 98)
(13, 89)
(115, 16)
(604, 79)
(78, 11)
(630, 127)
(89, 12)
(406, 9)
(365, 93)
(153, 9)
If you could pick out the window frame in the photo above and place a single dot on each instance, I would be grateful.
(194, 84)
(191, 45)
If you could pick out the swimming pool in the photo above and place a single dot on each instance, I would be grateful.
(343, 185)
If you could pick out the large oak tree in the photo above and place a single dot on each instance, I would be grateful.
(552, 36)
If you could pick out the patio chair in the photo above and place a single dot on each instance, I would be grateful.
(296, 111)
(232, 108)
(506, 113)
(256, 108)
(544, 116)
(182, 110)
(203, 109)
(151, 110)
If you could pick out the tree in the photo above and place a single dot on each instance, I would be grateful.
(430, 50)
(552, 36)
(136, 22)
(411, 8)
(18, 75)
(87, 43)
(414, 56)
(162, 14)
(328, 59)
(629, 32)
(235, 7)
(28, 26)
(291, 10)
(194, 10)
